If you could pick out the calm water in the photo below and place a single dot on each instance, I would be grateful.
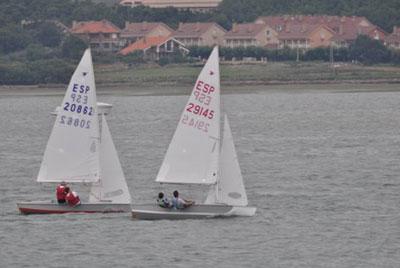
(321, 166)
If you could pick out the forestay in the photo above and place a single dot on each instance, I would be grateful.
(112, 186)
(192, 156)
(72, 152)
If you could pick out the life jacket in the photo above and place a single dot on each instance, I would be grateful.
(60, 192)
(163, 202)
(72, 199)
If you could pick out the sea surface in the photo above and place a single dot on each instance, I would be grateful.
(322, 167)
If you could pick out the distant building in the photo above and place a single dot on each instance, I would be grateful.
(200, 34)
(156, 46)
(134, 31)
(333, 30)
(110, 3)
(198, 5)
(101, 35)
(393, 40)
(251, 34)
(305, 36)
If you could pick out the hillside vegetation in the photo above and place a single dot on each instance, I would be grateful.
(34, 48)
(382, 13)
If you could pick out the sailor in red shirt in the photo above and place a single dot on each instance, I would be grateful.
(72, 198)
(60, 193)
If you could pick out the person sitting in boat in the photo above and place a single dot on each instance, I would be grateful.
(180, 203)
(163, 201)
(72, 198)
(60, 193)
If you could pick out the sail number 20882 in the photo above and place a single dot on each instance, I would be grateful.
(78, 108)
(76, 122)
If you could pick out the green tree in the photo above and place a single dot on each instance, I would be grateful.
(51, 71)
(17, 73)
(226, 53)
(49, 35)
(133, 58)
(13, 38)
(36, 52)
(368, 51)
(201, 52)
(240, 10)
(73, 47)
(395, 56)
(319, 53)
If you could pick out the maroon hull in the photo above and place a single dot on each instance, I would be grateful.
(39, 207)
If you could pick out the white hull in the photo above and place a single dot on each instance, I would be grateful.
(51, 207)
(155, 212)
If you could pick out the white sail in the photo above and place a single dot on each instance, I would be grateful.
(72, 151)
(231, 190)
(112, 185)
(192, 156)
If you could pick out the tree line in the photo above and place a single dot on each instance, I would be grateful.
(382, 13)
(364, 50)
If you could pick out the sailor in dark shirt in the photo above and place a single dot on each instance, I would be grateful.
(162, 201)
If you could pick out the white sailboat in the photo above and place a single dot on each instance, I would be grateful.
(195, 156)
(79, 151)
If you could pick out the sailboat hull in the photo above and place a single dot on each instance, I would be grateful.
(202, 211)
(51, 207)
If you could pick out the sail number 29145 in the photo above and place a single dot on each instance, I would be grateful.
(195, 123)
(199, 110)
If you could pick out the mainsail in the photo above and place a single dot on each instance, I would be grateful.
(112, 186)
(192, 156)
(72, 151)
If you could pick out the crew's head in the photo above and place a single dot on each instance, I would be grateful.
(176, 194)
(66, 190)
(160, 195)
(63, 183)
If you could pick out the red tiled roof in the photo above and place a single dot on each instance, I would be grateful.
(299, 31)
(245, 30)
(142, 28)
(194, 29)
(345, 28)
(351, 33)
(332, 22)
(102, 26)
(145, 43)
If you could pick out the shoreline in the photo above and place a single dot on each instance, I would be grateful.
(178, 79)
(227, 88)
